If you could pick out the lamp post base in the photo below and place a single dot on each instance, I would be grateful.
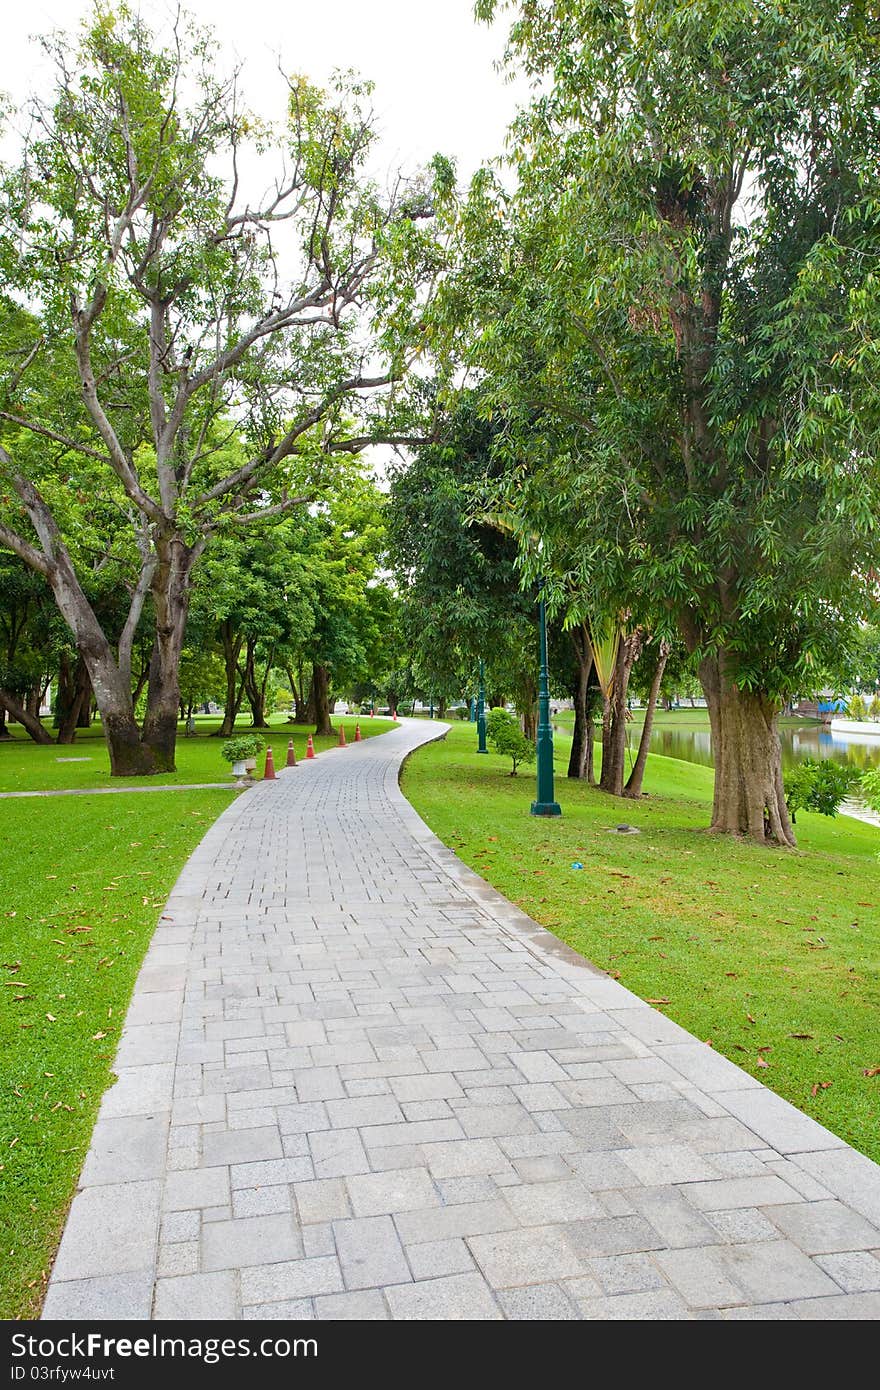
(546, 808)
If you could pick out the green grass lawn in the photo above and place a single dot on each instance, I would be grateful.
(27, 766)
(772, 955)
(82, 883)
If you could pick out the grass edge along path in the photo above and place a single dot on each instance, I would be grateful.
(82, 885)
(772, 956)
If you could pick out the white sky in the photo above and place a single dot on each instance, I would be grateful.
(436, 87)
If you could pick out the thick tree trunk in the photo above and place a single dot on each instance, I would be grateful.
(582, 735)
(749, 796)
(614, 718)
(321, 694)
(170, 588)
(636, 777)
(29, 721)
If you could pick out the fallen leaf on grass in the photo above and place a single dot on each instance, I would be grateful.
(871, 1071)
(762, 1063)
(658, 1001)
(51, 1018)
(807, 1036)
(819, 1086)
(96, 1037)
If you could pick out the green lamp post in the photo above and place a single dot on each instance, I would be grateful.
(545, 803)
(481, 712)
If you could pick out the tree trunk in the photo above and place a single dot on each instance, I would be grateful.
(170, 589)
(321, 696)
(73, 694)
(634, 784)
(614, 718)
(31, 722)
(589, 765)
(299, 693)
(256, 688)
(4, 732)
(582, 735)
(749, 796)
(526, 698)
(234, 690)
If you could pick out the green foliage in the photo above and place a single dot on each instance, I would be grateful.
(461, 589)
(193, 377)
(856, 707)
(241, 747)
(675, 316)
(507, 738)
(870, 788)
(818, 785)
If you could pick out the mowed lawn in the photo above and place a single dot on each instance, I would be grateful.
(82, 883)
(27, 766)
(773, 956)
(83, 880)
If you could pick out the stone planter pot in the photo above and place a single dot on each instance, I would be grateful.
(250, 765)
(239, 769)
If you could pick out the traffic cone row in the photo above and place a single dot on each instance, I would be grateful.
(291, 754)
(310, 748)
(357, 733)
(269, 773)
(342, 743)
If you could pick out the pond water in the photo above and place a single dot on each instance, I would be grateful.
(812, 741)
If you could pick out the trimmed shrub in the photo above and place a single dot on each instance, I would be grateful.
(507, 738)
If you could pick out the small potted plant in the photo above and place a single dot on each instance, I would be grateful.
(242, 752)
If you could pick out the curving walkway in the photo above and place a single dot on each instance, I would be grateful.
(354, 1082)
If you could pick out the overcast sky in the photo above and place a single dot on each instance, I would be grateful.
(436, 88)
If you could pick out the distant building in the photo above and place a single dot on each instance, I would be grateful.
(823, 706)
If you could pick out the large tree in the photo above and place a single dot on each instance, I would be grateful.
(697, 233)
(156, 309)
(457, 570)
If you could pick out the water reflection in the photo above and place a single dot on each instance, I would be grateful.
(695, 745)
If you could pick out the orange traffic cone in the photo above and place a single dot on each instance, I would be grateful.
(310, 748)
(291, 754)
(358, 736)
(372, 712)
(342, 743)
(269, 774)
(394, 716)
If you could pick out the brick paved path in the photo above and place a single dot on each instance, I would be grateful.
(356, 1083)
